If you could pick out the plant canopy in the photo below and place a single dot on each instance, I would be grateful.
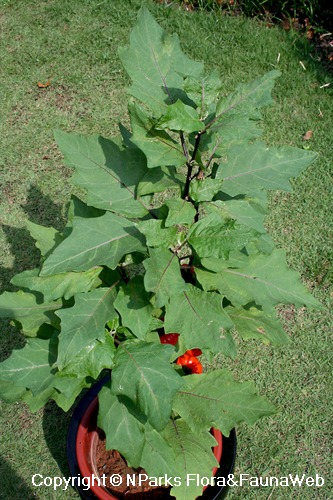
(169, 239)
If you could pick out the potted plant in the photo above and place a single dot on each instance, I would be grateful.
(163, 261)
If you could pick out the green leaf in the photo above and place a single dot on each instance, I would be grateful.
(143, 373)
(107, 172)
(94, 242)
(59, 285)
(205, 189)
(128, 432)
(231, 131)
(163, 275)
(199, 318)
(29, 375)
(84, 323)
(31, 366)
(247, 211)
(193, 452)
(158, 146)
(47, 238)
(180, 212)
(204, 91)
(63, 391)
(233, 120)
(248, 98)
(156, 64)
(158, 456)
(252, 323)
(77, 208)
(92, 359)
(28, 311)
(215, 399)
(215, 237)
(134, 307)
(9, 393)
(180, 117)
(123, 425)
(256, 167)
(266, 279)
(159, 179)
(157, 234)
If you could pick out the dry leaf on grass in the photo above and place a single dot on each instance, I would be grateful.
(308, 135)
(44, 85)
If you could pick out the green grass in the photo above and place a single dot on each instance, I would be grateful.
(75, 42)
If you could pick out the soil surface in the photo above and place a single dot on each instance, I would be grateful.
(110, 462)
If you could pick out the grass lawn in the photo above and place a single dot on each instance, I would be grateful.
(74, 43)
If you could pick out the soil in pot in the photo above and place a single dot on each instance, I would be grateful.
(110, 462)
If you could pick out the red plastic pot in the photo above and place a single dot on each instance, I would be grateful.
(82, 442)
(86, 443)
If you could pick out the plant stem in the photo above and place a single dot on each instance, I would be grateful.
(196, 146)
(188, 180)
(184, 146)
(190, 164)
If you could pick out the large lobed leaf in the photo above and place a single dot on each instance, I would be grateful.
(213, 236)
(247, 99)
(155, 63)
(83, 325)
(174, 452)
(142, 372)
(255, 167)
(193, 452)
(233, 121)
(157, 235)
(32, 376)
(248, 211)
(200, 319)
(158, 146)
(106, 171)
(93, 242)
(30, 312)
(266, 279)
(59, 285)
(215, 399)
(163, 275)
(134, 307)
(252, 323)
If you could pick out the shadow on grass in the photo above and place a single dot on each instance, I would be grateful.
(13, 486)
(41, 210)
(55, 427)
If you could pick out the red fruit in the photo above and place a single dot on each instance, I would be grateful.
(169, 338)
(194, 352)
(190, 363)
